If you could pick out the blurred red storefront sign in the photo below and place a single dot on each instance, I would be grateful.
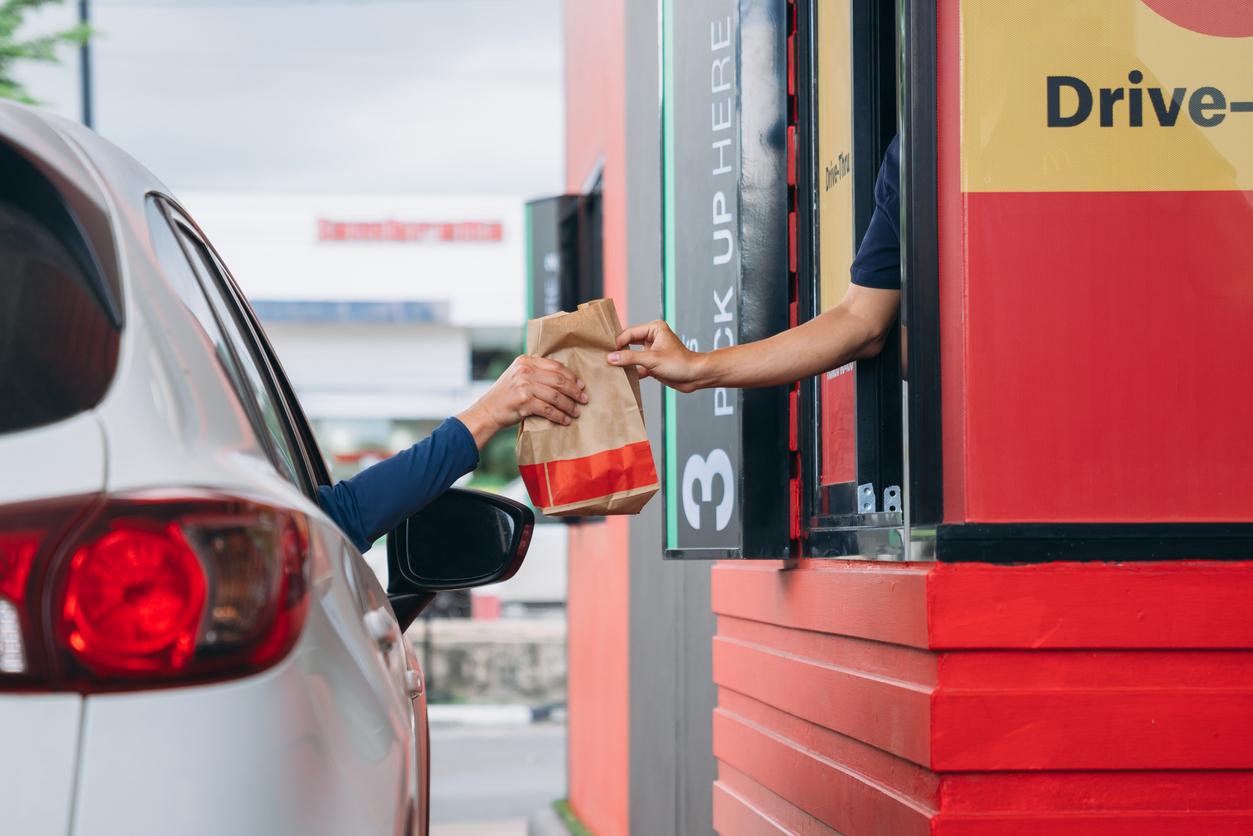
(439, 232)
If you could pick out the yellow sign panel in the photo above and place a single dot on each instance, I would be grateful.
(835, 149)
(1101, 95)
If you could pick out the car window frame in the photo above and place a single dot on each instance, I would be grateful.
(295, 412)
(231, 366)
(272, 369)
(183, 226)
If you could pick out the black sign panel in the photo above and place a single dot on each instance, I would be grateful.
(725, 271)
(564, 263)
(543, 255)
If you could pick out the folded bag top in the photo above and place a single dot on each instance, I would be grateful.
(601, 463)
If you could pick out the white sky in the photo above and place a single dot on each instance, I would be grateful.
(433, 96)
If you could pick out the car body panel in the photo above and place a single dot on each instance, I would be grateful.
(40, 735)
(26, 455)
(319, 744)
(327, 740)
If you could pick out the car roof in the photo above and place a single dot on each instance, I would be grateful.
(170, 417)
(73, 150)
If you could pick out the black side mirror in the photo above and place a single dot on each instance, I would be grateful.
(463, 539)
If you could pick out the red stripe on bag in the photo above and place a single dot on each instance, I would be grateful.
(536, 484)
(566, 481)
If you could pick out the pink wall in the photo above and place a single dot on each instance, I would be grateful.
(599, 579)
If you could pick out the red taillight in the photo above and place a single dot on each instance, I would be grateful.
(134, 600)
(159, 589)
(29, 533)
(17, 552)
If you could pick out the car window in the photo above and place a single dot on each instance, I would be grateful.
(58, 347)
(178, 272)
(251, 379)
(280, 388)
(299, 423)
(270, 414)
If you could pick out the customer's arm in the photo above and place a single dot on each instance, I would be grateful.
(377, 499)
(853, 330)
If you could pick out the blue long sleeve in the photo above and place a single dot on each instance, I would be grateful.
(379, 498)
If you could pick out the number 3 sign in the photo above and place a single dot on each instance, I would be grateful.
(703, 470)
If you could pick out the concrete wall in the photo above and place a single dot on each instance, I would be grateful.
(368, 371)
(496, 661)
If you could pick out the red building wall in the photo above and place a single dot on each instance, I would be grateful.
(599, 581)
(871, 698)
(1086, 334)
(968, 699)
(1097, 355)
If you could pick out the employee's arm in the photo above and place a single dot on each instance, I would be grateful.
(379, 498)
(853, 330)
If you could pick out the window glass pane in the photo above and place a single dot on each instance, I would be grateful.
(253, 377)
(287, 395)
(180, 276)
(58, 348)
(850, 123)
(833, 171)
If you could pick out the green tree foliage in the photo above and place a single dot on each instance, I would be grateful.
(43, 48)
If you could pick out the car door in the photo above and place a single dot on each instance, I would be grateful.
(297, 453)
(377, 611)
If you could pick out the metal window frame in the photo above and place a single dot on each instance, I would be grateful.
(183, 226)
(879, 400)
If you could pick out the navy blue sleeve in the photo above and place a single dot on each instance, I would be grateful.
(379, 498)
(878, 261)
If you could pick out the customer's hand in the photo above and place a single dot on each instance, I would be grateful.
(530, 386)
(664, 357)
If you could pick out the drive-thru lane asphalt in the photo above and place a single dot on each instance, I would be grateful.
(495, 773)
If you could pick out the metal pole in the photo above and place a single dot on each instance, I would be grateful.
(84, 61)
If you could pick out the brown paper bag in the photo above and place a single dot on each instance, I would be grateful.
(602, 462)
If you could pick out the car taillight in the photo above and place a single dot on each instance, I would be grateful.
(134, 600)
(17, 551)
(156, 589)
(28, 534)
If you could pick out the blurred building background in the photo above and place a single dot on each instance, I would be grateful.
(391, 312)
(362, 167)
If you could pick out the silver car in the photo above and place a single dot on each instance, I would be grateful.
(188, 644)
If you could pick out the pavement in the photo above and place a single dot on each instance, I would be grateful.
(511, 827)
(487, 779)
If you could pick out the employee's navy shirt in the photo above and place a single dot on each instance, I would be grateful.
(379, 498)
(878, 261)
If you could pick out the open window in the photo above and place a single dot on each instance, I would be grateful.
(775, 121)
(846, 116)
(564, 252)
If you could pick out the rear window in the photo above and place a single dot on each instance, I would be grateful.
(58, 344)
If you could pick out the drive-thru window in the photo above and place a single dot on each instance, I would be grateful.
(1032, 145)
(845, 114)
(997, 577)
(773, 134)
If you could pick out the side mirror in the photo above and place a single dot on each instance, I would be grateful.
(463, 539)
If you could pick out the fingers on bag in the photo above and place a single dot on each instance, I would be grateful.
(602, 462)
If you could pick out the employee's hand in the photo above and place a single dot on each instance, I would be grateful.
(530, 386)
(664, 357)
